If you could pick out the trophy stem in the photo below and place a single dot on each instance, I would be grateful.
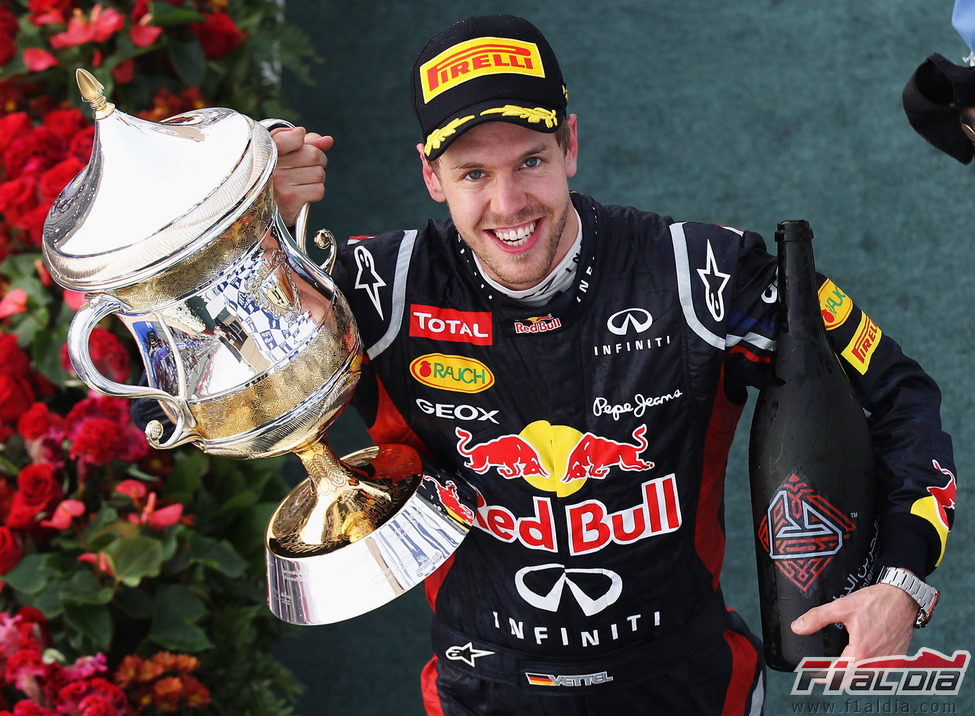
(337, 505)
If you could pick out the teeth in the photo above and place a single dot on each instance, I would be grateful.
(515, 237)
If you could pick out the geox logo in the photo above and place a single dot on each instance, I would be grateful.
(477, 57)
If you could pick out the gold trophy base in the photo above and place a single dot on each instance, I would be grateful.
(359, 532)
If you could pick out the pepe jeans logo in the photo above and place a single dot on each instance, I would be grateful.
(801, 532)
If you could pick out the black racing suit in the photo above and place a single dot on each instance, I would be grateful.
(595, 431)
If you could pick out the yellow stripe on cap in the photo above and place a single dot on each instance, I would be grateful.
(438, 136)
(535, 115)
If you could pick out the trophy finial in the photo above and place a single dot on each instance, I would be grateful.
(92, 91)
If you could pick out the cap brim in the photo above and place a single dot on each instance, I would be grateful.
(525, 113)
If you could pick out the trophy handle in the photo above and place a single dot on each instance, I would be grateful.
(79, 333)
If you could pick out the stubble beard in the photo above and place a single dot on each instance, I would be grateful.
(508, 272)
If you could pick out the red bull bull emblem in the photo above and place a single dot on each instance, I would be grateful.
(554, 458)
(560, 459)
(801, 532)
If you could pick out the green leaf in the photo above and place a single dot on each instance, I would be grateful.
(94, 622)
(215, 555)
(188, 60)
(135, 558)
(165, 14)
(31, 574)
(174, 622)
(134, 603)
(84, 588)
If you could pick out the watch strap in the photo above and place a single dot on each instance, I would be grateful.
(920, 591)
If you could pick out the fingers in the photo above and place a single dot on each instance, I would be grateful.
(299, 176)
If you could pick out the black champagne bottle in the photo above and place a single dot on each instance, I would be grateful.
(811, 469)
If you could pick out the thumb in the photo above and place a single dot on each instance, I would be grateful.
(810, 622)
(323, 142)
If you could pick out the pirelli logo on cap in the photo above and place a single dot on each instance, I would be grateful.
(860, 350)
(476, 58)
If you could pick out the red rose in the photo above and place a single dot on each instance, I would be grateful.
(17, 197)
(10, 550)
(108, 354)
(37, 491)
(34, 152)
(37, 421)
(57, 177)
(8, 31)
(32, 224)
(12, 126)
(99, 441)
(65, 122)
(13, 360)
(124, 72)
(218, 34)
(38, 60)
(16, 396)
(80, 145)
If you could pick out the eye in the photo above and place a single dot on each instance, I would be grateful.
(474, 175)
(532, 162)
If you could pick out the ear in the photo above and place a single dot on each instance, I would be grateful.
(572, 150)
(430, 177)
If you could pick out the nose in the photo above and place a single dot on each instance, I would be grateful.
(508, 196)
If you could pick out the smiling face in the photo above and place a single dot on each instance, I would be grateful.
(508, 193)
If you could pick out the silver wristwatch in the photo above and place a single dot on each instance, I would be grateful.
(924, 594)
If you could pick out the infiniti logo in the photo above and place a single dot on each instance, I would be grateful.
(605, 583)
(637, 319)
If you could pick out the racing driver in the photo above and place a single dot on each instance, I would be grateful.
(583, 367)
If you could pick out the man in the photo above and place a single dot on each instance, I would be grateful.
(583, 367)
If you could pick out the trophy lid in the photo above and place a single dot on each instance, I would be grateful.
(153, 192)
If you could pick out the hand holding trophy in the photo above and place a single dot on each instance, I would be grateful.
(248, 347)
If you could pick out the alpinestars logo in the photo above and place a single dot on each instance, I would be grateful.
(801, 532)
(366, 277)
(714, 282)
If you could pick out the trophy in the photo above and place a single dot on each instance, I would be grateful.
(248, 347)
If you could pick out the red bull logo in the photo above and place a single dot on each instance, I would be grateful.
(593, 456)
(934, 507)
(554, 458)
(590, 525)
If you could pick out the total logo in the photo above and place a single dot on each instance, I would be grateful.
(448, 324)
(554, 458)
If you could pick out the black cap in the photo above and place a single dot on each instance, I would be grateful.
(934, 98)
(484, 69)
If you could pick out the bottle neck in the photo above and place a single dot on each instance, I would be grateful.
(798, 290)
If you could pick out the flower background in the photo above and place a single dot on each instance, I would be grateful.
(132, 579)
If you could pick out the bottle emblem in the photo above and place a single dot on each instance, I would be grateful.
(802, 531)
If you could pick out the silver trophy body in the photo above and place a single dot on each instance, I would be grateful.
(248, 347)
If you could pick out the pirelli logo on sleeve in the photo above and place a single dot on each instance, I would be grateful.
(859, 350)
(475, 58)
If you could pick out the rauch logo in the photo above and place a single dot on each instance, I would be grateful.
(455, 373)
